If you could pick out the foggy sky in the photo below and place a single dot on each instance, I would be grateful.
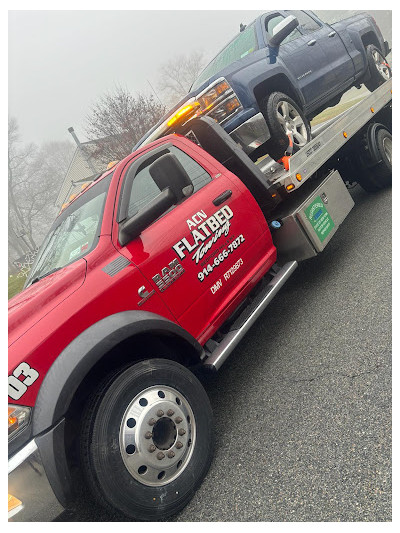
(60, 62)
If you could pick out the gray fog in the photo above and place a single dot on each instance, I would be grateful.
(60, 62)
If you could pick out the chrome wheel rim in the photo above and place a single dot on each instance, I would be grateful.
(292, 123)
(157, 435)
(387, 148)
(381, 65)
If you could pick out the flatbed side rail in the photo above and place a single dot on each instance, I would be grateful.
(309, 159)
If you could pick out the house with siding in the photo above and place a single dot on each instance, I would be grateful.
(84, 167)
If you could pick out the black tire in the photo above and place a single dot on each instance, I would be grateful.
(270, 106)
(379, 176)
(106, 431)
(377, 73)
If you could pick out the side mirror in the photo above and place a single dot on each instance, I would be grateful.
(174, 183)
(132, 227)
(283, 29)
(167, 171)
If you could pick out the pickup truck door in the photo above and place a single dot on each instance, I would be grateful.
(201, 254)
(302, 56)
(337, 68)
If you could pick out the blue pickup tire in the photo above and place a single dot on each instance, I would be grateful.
(284, 116)
(378, 66)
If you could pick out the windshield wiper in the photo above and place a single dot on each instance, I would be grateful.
(38, 278)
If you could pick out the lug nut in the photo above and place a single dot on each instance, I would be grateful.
(160, 413)
(148, 435)
(160, 456)
(152, 448)
(171, 454)
(152, 421)
(178, 420)
(179, 444)
(181, 432)
(170, 412)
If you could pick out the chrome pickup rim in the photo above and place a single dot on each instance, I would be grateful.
(292, 123)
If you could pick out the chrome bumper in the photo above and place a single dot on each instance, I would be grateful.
(252, 133)
(27, 481)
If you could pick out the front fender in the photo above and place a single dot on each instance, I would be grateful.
(78, 358)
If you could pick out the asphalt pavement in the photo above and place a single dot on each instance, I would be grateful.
(303, 405)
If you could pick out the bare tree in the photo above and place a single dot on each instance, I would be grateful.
(118, 120)
(34, 178)
(178, 75)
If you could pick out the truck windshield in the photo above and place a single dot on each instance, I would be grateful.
(243, 44)
(74, 233)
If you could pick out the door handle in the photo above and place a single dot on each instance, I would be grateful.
(312, 42)
(222, 197)
(332, 34)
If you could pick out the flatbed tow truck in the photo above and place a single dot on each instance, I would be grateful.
(155, 272)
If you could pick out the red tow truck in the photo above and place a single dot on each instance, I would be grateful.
(153, 274)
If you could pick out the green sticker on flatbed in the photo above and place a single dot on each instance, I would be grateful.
(319, 218)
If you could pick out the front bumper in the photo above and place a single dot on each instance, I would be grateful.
(252, 133)
(28, 482)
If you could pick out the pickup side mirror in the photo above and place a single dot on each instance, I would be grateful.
(132, 227)
(174, 183)
(283, 29)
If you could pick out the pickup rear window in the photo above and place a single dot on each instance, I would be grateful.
(243, 44)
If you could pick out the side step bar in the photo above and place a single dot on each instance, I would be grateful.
(231, 340)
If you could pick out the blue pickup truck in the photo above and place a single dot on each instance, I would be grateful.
(277, 74)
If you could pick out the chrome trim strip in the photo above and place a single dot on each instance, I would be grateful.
(231, 340)
(21, 456)
(216, 82)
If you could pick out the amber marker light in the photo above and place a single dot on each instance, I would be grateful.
(13, 502)
(372, 110)
(274, 195)
(345, 134)
(289, 187)
(298, 177)
(181, 113)
(12, 420)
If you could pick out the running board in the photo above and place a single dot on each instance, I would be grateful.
(222, 351)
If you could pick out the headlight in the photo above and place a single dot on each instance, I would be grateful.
(18, 418)
(219, 101)
(207, 99)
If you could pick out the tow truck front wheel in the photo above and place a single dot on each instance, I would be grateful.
(147, 439)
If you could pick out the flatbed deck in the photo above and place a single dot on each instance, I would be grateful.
(304, 163)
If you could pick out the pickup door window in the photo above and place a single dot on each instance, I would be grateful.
(198, 256)
(337, 67)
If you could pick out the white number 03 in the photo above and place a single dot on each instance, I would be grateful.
(18, 387)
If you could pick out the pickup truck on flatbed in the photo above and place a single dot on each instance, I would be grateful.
(278, 73)
(151, 275)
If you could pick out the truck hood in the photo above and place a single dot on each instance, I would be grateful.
(228, 73)
(35, 302)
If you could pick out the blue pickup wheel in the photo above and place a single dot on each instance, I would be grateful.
(283, 116)
(378, 66)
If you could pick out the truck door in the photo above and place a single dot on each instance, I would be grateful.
(201, 253)
(302, 56)
(337, 67)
